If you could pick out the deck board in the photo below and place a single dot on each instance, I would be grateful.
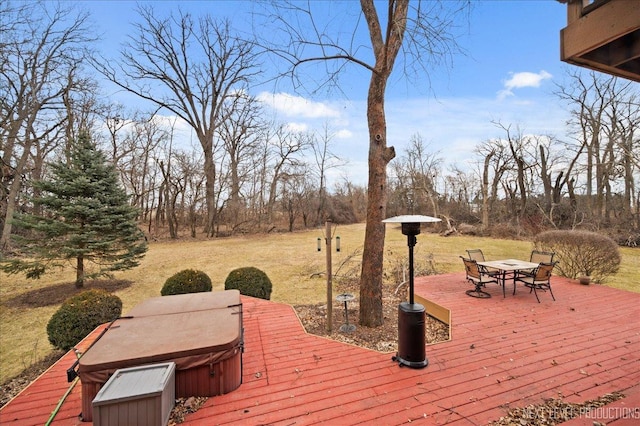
(504, 352)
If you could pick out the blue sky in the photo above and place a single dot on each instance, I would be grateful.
(508, 75)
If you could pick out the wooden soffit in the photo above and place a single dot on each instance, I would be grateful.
(603, 35)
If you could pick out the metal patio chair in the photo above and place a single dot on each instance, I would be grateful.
(478, 276)
(538, 256)
(538, 279)
(478, 256)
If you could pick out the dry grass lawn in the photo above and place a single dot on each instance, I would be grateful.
(289, 259)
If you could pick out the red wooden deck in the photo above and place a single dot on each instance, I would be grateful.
(504, 352)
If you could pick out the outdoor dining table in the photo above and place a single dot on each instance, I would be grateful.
(508, 266)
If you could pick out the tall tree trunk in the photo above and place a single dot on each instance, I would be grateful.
(210, 190)
(485, 190)
(372, 256)
(627, 164)
(545, 176)
(522, 188)
(169, 200)
(380, 155)
(12, 197)
(79, 272)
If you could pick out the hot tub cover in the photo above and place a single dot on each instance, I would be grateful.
(190, 330)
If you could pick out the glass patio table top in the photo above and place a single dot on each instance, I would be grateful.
(508, 266)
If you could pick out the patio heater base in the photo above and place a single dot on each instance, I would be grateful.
(411, 336)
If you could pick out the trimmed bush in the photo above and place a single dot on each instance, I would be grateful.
(79, 315)
(250, 281)
(187, 281)
(581, 253)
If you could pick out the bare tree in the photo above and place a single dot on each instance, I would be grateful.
(324, 160)
(495, 163)
(519, 146)
(423, 35)
(285, 148)
(199, 65)
(552, 159)
(43, 47)
(240, 136)
(294, 194)
(117, 119)
(421, 169)
(168, 195)
(485, 187)
(133, 142)
(624, 136)
(257, 185)
(460, 192)
(81, 108)
(189, 166)
(604, 115)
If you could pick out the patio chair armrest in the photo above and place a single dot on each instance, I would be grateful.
(525, 273)
(491, 273)
(483, 270)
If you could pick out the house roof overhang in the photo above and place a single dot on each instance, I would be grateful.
(603, 35)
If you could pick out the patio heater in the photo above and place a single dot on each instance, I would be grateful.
(411, 316)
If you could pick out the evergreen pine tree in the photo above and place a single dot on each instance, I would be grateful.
(85, 218)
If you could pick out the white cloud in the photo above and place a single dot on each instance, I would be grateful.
(172, 121)
(344, 134)
(520, 80)
(526, 79)
(297, 127)
(296, 106)
(503, 94)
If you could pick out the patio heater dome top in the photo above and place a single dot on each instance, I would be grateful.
(411, 223)
(411, 218)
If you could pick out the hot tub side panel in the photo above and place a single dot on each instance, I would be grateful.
(210, 380)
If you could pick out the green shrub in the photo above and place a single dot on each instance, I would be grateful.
(250, 281)
(79, 315)
(187, 281)
(581, 253)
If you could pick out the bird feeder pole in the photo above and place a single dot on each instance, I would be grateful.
(329, 322)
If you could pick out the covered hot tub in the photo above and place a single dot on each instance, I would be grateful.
(200, 332)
